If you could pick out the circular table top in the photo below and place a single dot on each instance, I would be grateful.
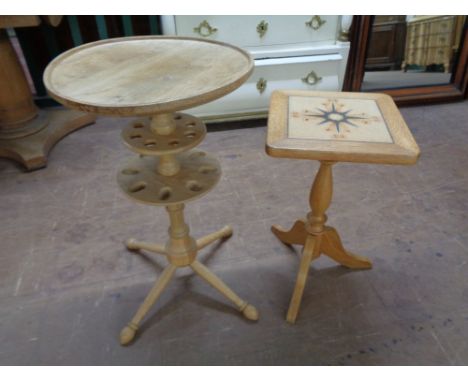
(146, 75)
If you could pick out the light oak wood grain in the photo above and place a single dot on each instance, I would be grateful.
(181, 251)
(316, 237)
(156, 76)
(313, 234)
(146, 75)
(403, 149)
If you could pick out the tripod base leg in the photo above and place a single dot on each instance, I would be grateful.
(128, 333)
(296, 235)
(249, 311)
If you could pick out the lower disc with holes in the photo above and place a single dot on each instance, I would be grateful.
(189, 132)
(199, 173)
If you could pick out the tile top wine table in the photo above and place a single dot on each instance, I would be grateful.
(332, 127)
(152, 77)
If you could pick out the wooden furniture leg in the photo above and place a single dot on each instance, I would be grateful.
(249, 311)
(26, 133)
(296, 235)
(316, 237)
(135, 245)
(181, 251)
(310, 252)
(128, 333)
(223, 233)
(333, 248)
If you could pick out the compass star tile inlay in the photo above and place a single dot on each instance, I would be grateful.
(338, 127)
(336, 119)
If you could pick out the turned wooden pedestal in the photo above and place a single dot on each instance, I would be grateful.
(152, 77)
(332, 127)
(27, 133)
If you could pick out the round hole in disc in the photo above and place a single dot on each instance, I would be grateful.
(135, 136)
(174, 143)
(150, 143)
(138, 125)
(130, 171)
(207, 169)
(194, 186)
(190, 134)
(137, 187)
(165, 193)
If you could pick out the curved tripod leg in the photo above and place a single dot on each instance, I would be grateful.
(332, 247)
(296, 235)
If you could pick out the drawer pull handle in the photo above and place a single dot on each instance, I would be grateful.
(262, 28)
(205, 29)
(315, 22)
(261, 85)
(312, 78)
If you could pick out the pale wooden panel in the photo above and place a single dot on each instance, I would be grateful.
(402, 149)
(146, 75)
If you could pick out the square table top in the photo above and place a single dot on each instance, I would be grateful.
(338, 126)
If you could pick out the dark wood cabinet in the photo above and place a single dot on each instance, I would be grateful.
(387, 43)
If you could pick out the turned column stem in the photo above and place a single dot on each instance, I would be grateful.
(181, 248)
(320, 198)
(164, 124)
(178, 228)
(168, 165)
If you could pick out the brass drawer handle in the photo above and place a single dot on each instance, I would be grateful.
(261, 85)
(315, 22)
(262, 28)
(205, 29)
(312, 78)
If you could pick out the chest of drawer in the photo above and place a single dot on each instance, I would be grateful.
(308, 73)
(251, 31)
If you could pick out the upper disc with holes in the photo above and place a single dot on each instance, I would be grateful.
(189, 132)
(199, 173)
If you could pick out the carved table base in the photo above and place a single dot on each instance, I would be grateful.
(181, 251)
(316, 237)
(168, 174)
(31, 149)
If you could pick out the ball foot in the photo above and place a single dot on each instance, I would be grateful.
(250, 312)
(227, 232)
(131, 244)
(128, 334)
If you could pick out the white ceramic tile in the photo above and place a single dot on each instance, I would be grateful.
(342, 119)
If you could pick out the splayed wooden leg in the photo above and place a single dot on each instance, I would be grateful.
(310, 252)
(296, 235)
(135, 245)
(223, 233)
(249, 311)
(128, 333)
(332, 247)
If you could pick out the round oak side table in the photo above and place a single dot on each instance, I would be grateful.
(152, 78)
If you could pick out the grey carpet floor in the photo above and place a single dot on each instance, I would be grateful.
(68, 285)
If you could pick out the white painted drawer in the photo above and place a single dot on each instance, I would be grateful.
(242, 31)
(279, 73)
